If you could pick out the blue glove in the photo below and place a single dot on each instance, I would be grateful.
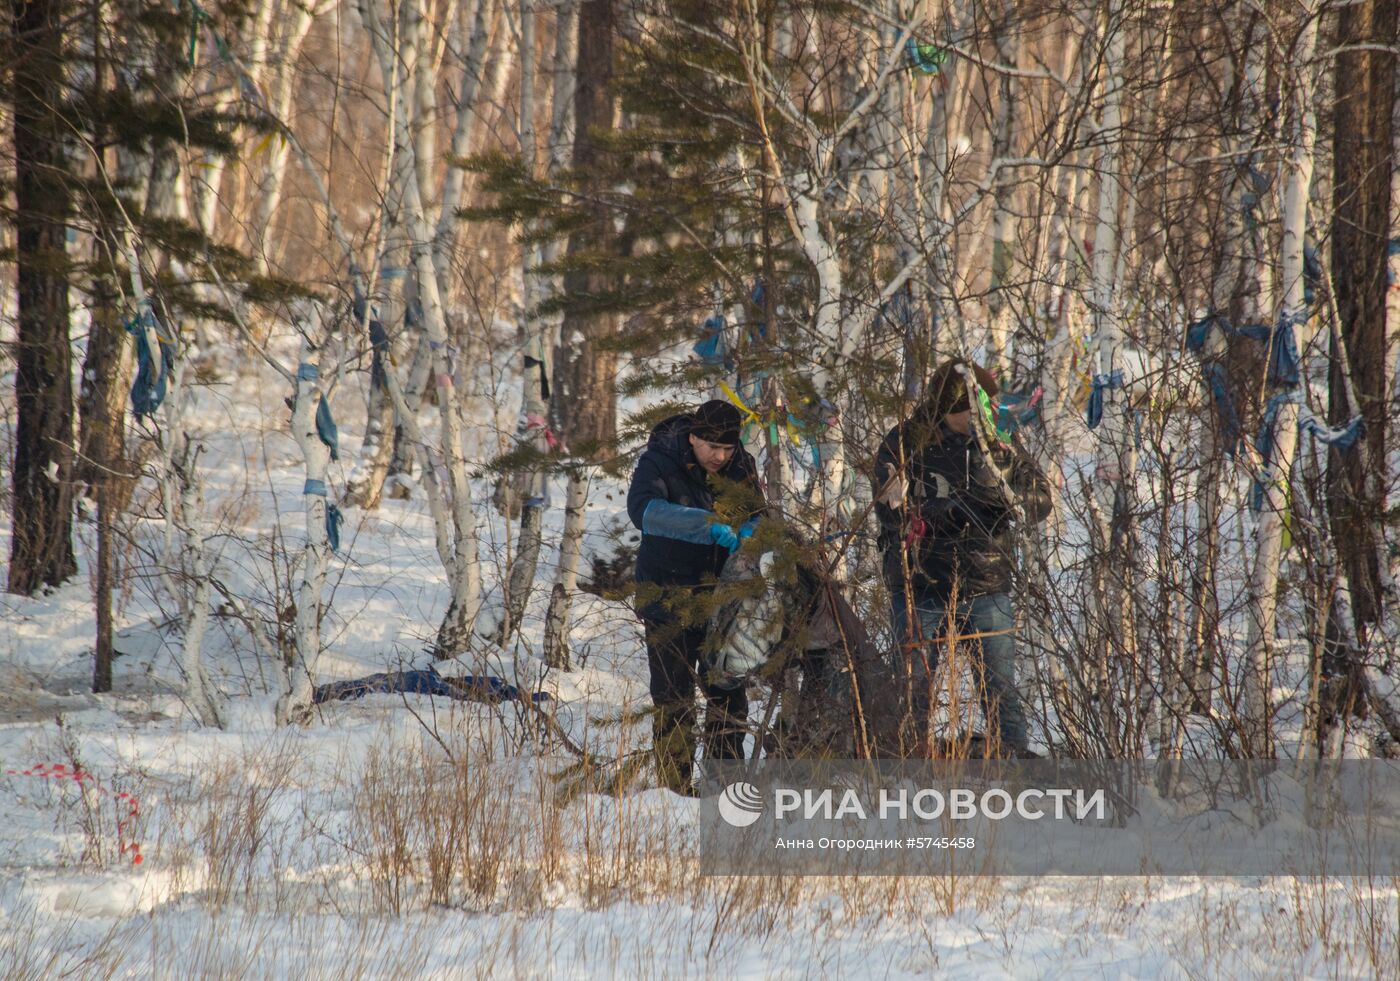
(747, 529)
(724, 535)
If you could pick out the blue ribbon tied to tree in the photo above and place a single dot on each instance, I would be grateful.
(1098, 384)
(148, 390)
(1283, 364)
(1341, 438)
(710, 348)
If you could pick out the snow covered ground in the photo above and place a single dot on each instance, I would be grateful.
(406, 836)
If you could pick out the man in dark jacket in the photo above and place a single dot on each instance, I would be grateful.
(695, 495)
(946, 515)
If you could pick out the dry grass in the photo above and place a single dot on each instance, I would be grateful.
(443, 853)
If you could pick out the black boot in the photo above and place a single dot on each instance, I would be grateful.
(673, 746)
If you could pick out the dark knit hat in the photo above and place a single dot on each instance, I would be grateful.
(716, 422)
(947, 389)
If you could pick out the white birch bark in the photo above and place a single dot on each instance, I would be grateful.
(475, 399)
(1115, 458)
(556, 631)
(380, 448)
(464, 572)
(556, 624)
(414, 53)
(1263, 580)
(835, 501)
(295, 705)
(199, 693)
(531, 428)
(182, 501)
(207, 189)
(1003, 219)
(484, 17)
(294, 24)
(1203, 654)
(463, 133)
(1061, 307)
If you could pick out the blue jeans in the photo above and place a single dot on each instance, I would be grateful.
(996, 656)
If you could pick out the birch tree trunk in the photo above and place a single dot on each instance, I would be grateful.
(295, 705)
(1003, 219)
(531, 428)
(1241, 283)
(295, 24)
(208, 188)
(380, 451)
(1258, 737)
(1115, 459)
(463, 569)
(176, 474)
(583, 402)
(556, 624)
(190, 517)
(463, 133)
(556, 627)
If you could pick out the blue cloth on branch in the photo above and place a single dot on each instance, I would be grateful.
(326, 429)
(1010, 415)
(1312, 274)
(1283, 345)
(1258, 185)
(710, 348)
(334, 519)
(1231, 429)
(325, 422)
(1198, 331)
(1097, 386)
(148, 390)
(359, 305)
(897, 311)
(379, 344)
(469, 688)
(1283, 349)
(378, 336)
(314, 486)
(1342, 437)
(758, 296)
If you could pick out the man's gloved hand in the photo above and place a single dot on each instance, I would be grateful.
(724, 535)
(747, 529)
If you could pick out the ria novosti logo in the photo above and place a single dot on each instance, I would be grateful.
(741, 804)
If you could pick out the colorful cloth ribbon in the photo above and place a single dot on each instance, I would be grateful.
(148, 389)
(1097, 386)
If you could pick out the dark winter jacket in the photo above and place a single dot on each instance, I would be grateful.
(672, 500)
(957, 527)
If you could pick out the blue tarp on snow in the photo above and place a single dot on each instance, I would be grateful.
(471, 688)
